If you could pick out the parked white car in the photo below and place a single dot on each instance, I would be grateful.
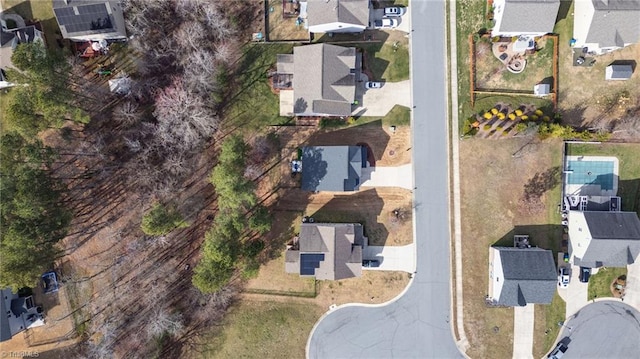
(385, 23)
(394, 11)
(563, 277)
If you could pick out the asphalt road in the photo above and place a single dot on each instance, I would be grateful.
(417, 325)
(604, 329)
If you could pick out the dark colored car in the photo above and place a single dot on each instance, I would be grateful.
(559, 351)
(585, 273)
(370, 263)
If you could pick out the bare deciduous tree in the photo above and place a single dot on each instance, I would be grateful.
(162, 322)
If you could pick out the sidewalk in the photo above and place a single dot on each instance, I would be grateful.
(523, 319)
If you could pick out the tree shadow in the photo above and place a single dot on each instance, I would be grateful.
(314, 167)
(574, 117)
(23, 9)
(629, 193)
(300, 106)
(363, 207)
(542, 182)
(545, 236)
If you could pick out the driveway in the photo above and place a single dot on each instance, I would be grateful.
(404, 21)
(418, 324)
(523, 319)
(400, 258)
(576, 293)
(400, 176)
(378, 102)
(632, 292)
(604, 329)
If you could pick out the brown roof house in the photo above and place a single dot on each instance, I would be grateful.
(337, 15)
(327, 251)
(323, 77)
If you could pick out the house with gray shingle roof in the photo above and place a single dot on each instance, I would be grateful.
(606, 25)
(18, 314)
(337, 15)
(90, 20)
(521, 276)
(524, 17)
(323, 78)
(332, 168)
(327, 251)
(601, 238)
(9, 40)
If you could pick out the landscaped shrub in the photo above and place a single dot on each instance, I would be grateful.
(512, 116)
(499, 127)
(161, 220)
(486, 127)
(487, 115)
(468, 127)
(521, 127)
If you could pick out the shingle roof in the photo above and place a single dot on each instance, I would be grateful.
(529, 16)
(332, 168)
(614, 23)
(5, 327)
(347, 11)
(325, 74)
(529, 276)
(615, 239)
(78, 18)
(341, 244)
(619, 71)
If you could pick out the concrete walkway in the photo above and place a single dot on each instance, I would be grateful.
(523, 319)
(632, 292)
(378, 102)
(400, 177)
(400, 258)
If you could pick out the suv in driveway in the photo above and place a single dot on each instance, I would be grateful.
(385, 23)
(558, 352)
(563, 277)
(394, 11)
(585, 273)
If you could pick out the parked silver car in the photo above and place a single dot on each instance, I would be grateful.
(394, 11)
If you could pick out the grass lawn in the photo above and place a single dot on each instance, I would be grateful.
(470, 16)
(398, 116)
(599, 284)
(629, 167)
(254, 106)
(37, 10)
(486, 102)
(254, 329)
(491, 73)
(546, 327)
(389, 61)
(280, 28)
(492, 184)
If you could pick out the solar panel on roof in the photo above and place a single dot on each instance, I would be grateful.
(90, 17)
(309, 262)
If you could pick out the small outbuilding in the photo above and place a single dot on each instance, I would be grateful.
(541, 90)
(619, 72)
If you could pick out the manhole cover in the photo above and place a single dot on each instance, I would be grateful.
(392, 152)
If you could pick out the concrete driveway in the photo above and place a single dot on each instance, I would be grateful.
(575, 295)
(523, 319)
(399, 258)
(400, 176)
(404, 21)
(378, 102)
(604, 329)
(632, 292)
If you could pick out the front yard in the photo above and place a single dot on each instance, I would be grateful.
(600, 283)
(493, 181)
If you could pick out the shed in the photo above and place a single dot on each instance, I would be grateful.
(618, 72)
(541, 89)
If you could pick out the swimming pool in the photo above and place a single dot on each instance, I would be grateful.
(591, 172)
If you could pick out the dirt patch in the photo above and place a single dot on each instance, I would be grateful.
(492, 181)
(283, 28)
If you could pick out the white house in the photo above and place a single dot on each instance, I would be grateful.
(606, 25)
(337, 15)
(520, 276)
(602, 238)
(524, 17)
(18, 314)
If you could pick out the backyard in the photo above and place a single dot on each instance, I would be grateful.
(284, 27)
(629, 168)
(590, 100)
(494, 176)
(492, 74)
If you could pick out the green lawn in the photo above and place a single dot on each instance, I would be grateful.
(546, 325)
(253, 105)
(263, 330)
(599, 284)
(389, 62)
(629, 167)
(37, 10)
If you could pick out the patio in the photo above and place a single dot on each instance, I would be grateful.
(512, 53)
